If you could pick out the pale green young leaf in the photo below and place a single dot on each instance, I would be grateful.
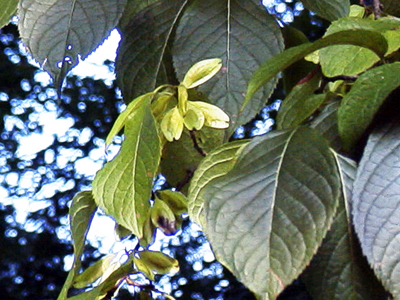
(300, 103)
(339, 271)
(122, 188)
(267, 216)
(375, 205)
(175, 200)
(243, 35)
(360, 105)
(201, 72)
(172, 124)
(163, 217)
(352, 60)
(8, 8)
(123, 117)
(57, 32)
(144, 46)
(217, 163)
(328, 9)
(270, 68)
(194, 118)
(214, 116)
(80, 213)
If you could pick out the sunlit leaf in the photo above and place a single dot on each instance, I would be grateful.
(351, 60)
(58, 31)
(81, 213)
(217, 163)
(339, 271)
(328, 9)
(143, 46)
(376, 198)
(201, 72)
(240, 33)
(363, 38)
(300, 103)
(151, 263)
(94, 272)
(122, 188)
(172, 124)
(175, 200)
(267, 216)
(8, 8)
(124, 116)
(364, 99)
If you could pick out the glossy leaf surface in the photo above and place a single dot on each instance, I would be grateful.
(267, 216)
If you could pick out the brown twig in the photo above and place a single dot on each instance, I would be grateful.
(196, 144)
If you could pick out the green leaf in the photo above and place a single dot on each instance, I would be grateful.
(132, 8)
(364, 38)
(175, 200)
(125, 115)
(375, 205)
(122, 188)
(216, 164)
(58, 31)
(267, 217)
(326, 124)
(151, 262)
(95, 271)
(181, 158)
(300, 103)
(294, 73)
(8, 8)
(239, 32)
(328, 9)
(391, 7)
(112, 281)
(201, 72)
(81, 213)
(172, 124)
(144, 45)
(364, 99)
(352, 60)
(339, 271)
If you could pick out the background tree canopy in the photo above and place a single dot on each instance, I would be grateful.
(306, 210)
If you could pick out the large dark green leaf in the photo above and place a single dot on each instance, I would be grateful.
(328, 9)
(57, 31)
(143, 47)
(132, 8)
(376, 201)
(81, 214)
(391, 7)
(239, 32)
(326, 124)
(217, 163)
(122, 188)
(352, 60)
(339, 271)
(363, 38)
(181, 158)
(268, 215)
(364, 99)
(7, 9)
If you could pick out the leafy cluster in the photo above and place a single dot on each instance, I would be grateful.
(294, 202)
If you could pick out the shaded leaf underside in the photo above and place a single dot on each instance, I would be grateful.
(375, 205)
(328, 9)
